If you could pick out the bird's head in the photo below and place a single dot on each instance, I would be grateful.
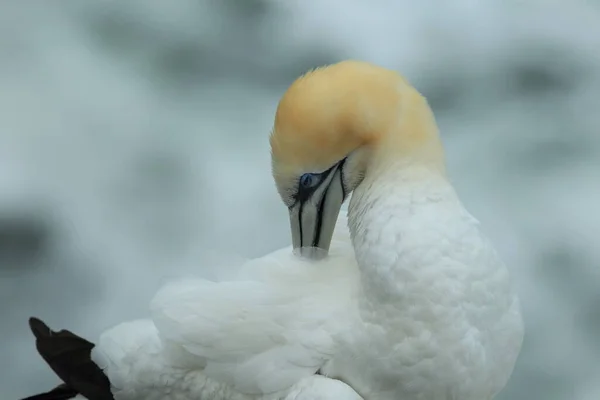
(333, 126)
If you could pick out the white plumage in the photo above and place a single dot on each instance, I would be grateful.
(270, 328)
(412, 302)
(433, 322)
(261, 336)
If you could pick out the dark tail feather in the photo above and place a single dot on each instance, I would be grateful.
(61, 392)
(69, 356)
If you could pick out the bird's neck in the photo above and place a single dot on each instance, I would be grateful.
(390, 214)
(413, 140)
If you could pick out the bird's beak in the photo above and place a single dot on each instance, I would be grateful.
(313, 219)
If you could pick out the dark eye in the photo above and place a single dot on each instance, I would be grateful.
(307, 181)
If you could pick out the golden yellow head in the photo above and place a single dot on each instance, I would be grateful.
(336, 121)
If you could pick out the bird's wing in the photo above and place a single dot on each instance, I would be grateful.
(69, 356)
(269, 328)
(61, 392)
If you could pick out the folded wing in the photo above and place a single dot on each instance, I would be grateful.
(275, 324)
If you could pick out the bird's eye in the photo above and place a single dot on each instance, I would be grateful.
(308, 181)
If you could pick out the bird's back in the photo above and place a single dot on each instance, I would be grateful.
(270, 326)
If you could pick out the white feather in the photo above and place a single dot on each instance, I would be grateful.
(424, 309)
(272, 326)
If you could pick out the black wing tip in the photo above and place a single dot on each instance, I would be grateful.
(81, 374)
(61, 392)
(39, 328)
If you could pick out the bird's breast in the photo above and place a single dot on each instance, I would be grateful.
(436, 304)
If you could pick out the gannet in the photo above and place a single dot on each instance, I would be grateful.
(407, 300)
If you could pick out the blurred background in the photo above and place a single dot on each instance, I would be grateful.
(133, 147)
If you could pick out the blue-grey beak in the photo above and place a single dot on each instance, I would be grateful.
(313, 218)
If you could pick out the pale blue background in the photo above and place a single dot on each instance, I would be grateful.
(133, 146)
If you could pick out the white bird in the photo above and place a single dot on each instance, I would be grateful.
(409, 301)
